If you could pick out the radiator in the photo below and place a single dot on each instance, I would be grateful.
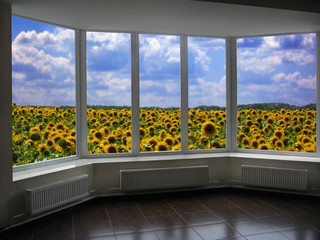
(53, 195)
(282, 178)
(163, 178)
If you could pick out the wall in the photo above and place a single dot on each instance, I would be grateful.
(224, 171)
(5, 117)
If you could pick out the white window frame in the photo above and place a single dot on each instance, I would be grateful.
(231, 103)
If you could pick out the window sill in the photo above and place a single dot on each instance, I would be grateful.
(76, 163)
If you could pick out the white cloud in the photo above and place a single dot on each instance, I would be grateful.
(290, 88)
(108, 41)
(207, 92)
(43, 68)
(202, 59)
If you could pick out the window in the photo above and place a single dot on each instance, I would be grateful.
(160, 100)
(43, 92)
(108, 92)
(207, 93)
(277, 93)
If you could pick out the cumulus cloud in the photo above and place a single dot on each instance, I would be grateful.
(263, 55)
(208, 92)
(43, 67)
(290, 88)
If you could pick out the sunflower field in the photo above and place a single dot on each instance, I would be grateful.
(41, 133)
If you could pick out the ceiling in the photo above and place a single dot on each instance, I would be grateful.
(168, 16)
(298, 5)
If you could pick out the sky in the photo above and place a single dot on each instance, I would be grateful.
(270, 69)
(277, 69)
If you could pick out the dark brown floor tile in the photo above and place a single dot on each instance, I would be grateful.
(24, 232)
(138, 236)
(267, 236)
(250, 227)
(123, 209)
(94, 211)
(302, 234)
(200, 218)
(282, 222)
(215, 202)
(186, 205)
(231, 215)
(108, 237)
(59, 227)
(178, 234)
(240, 198)
(92, 228)
(131, 225)
(164, 222)
(237, 238)
(216, 231)
(308, 217)
(153, 208)
(262, 210)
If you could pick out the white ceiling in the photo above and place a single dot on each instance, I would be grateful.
(167, 16)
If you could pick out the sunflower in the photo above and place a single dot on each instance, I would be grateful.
(241, 136)
(105, 131)
(264, 146)
(50, 143)
(279, 144)
(35, 137)
(309, 148)
(255, 143)
(209, 129)
(98, 134)
(204, 140)
(169, 140)
(152, 142)
(279, 133)
(246, 141)
(56, 138)
(162, 146)
(111, 139)
(110, 149)
(41, 148)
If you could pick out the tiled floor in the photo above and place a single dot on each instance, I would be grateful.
(209, 214)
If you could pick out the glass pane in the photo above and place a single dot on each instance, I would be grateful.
(207, 93)
(159, 93)
(43, 92)
(277, 93)
(108, 92)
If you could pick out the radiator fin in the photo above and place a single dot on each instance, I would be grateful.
(282, 178)
(53, 195)
(163, 178)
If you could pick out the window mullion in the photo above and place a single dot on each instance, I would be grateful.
(231, 82)
(318, 92)
(135, 94)
(184, 92)
(81, 94)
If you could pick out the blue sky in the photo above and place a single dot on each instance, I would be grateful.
(43, 68)
(277, 69)
(270, 69)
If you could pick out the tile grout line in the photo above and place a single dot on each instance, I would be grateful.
(73, 231)
(153, 230)
(108, 216)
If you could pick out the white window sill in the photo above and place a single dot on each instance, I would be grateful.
(44, 169)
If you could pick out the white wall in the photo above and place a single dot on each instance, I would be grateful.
(5, 117)
(105, 175)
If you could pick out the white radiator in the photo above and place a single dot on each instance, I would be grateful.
(282, 178)
(50, 196)
(163, 178)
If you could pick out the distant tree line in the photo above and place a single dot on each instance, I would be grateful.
(275, 106)
(256, 106)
